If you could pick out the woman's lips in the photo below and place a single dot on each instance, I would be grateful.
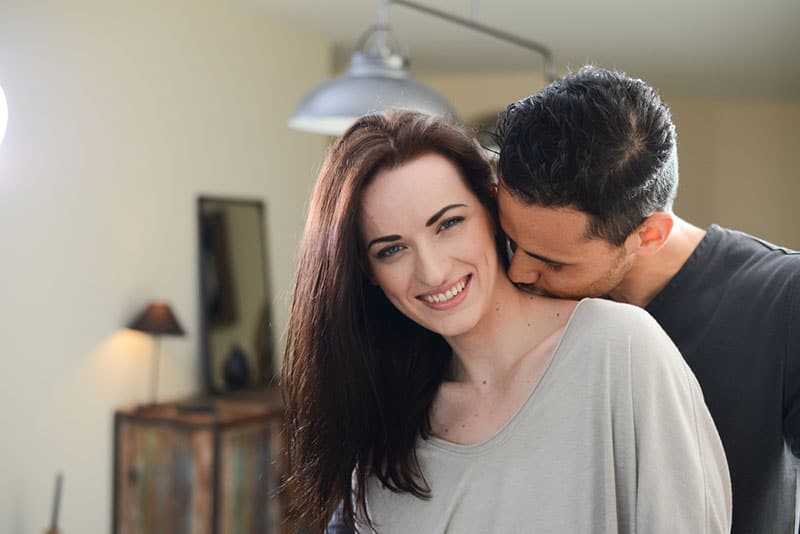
(448, 297)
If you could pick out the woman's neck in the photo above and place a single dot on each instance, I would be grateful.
(512, 326)
(497, 364)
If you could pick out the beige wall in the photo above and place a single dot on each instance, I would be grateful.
(478, 95)
(738, 164)
(738, 159)
(121, 114)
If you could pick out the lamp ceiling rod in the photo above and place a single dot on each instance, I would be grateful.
(383, 23)
(549, 73)
(383, 12)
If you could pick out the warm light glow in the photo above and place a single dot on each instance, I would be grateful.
(3, 115)
(118, 368)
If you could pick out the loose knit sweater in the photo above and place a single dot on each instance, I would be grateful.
(614, 438)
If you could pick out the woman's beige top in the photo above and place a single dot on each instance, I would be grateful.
(615, 438)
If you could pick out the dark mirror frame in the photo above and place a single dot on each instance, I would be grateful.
(267, 363)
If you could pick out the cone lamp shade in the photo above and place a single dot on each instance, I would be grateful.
(157, 318)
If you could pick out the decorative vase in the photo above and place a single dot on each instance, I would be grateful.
(236, 370)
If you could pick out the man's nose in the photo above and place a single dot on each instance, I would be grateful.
(519, 273)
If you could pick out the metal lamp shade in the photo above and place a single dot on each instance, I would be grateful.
(371, 83)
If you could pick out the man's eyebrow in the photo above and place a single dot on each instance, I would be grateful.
(529, 253)
(438, 214)
(384, 239)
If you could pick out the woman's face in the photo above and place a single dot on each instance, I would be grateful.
(430, 244)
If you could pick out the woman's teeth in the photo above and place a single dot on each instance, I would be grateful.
(447, 295)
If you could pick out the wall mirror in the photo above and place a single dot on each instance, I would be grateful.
(235, 321)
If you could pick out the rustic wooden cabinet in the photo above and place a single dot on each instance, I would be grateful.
(209, 466)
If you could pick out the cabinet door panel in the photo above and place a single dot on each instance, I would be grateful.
(247, 481)
(164, 476)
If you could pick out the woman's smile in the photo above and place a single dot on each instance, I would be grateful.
(447, 297)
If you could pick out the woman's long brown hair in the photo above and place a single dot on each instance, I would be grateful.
(358, 376)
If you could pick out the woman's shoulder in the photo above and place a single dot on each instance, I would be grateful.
(607, 313)
(603, 322)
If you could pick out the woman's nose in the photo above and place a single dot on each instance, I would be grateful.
(433, 266)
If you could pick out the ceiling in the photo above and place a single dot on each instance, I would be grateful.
(714, 48)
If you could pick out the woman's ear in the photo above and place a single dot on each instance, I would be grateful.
(493, 191)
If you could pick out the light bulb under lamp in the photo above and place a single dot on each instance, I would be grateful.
(3, 115)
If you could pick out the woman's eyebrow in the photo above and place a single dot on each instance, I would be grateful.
(438, 214)
(384, 239)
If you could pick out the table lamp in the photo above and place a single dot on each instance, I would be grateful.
(156, 319)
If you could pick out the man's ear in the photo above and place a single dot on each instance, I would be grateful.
(654, 231)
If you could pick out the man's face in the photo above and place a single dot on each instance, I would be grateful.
(551, 254)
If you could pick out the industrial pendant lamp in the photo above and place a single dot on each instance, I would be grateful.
(378, 79)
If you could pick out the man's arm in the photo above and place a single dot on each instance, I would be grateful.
(791, 377)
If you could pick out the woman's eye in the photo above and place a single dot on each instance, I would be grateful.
(389, 251)
(448, 223)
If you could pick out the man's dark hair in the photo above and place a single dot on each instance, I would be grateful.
(596, 140)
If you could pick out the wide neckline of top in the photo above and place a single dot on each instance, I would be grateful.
(506, 429)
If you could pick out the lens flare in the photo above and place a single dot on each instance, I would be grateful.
(3, 115)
